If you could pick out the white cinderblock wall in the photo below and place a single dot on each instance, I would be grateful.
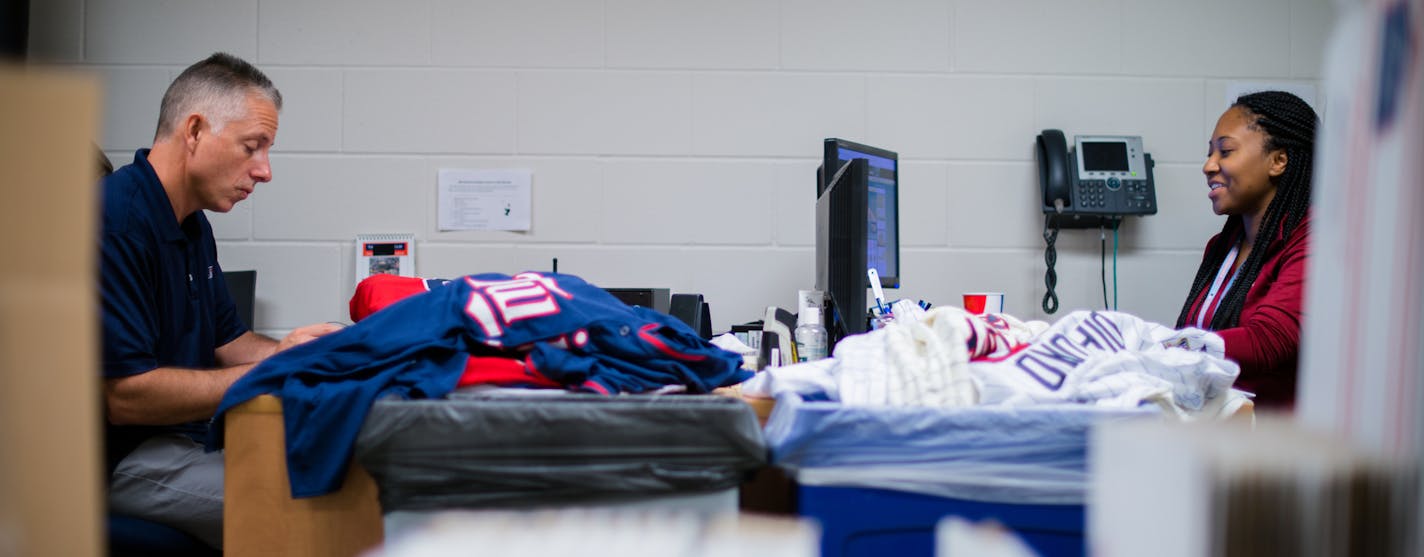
(673, 143)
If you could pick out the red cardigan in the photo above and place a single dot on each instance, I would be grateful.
(1266, 340)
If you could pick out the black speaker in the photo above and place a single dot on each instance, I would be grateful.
(692, 310)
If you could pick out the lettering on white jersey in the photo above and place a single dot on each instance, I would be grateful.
(1050, 360)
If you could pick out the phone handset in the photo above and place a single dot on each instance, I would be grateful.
(1055, 174)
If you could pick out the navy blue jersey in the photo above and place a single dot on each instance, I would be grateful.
(418, 347)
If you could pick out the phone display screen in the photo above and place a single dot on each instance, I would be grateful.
(1104, 156)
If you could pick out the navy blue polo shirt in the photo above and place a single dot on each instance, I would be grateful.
(165, 303)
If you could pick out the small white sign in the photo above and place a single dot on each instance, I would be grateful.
(484, 199)
(391, 254)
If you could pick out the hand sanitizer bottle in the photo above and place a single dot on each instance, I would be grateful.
(810, 335)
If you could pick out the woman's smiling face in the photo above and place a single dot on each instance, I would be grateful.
(1238, 167)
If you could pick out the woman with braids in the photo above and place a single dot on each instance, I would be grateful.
(1251, 283)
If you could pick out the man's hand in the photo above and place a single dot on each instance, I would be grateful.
(306, 333)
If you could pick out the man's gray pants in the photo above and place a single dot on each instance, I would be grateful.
(170, 479)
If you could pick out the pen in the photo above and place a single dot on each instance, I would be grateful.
(874, 277)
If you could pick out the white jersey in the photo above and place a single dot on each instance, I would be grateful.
(1109, 359)
(951, 358)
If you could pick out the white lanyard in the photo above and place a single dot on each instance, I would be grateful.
(1216, 285)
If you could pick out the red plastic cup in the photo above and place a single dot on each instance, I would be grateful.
(979, 303)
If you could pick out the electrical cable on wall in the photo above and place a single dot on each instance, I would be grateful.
(1115, 227)
(1103, 261)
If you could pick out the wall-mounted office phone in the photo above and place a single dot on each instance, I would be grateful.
(1102, 179)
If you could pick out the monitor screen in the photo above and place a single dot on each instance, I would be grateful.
(882, 229)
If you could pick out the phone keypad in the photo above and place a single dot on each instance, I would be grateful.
(1114, 195)
(1091, 194)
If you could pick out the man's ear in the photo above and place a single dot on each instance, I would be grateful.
(1278, 160)
(195, 126)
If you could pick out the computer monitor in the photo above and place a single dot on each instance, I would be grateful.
(840, 248)
(882, 231)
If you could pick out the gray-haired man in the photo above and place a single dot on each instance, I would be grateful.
(172, 341)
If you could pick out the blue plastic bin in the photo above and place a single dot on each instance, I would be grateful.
(858, 522)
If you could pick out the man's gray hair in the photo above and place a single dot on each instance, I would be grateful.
(217, 88)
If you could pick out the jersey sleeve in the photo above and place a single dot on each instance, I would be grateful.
(126, 289)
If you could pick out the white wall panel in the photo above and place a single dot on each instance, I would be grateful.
(796, 203)
(344, 32)
(605, 113)
(1211, 38)
(494, 33)
(729, 203)
(429, 111)
(994, 205)
(132, 96)
(779, 115)
(944, 117)
(721, 203)
(235, 224)
(734, 34)
(336, 198)
(1029, 36)
(155, 31)
(909, 35)
(1311, 21)
(311, 109)
(925, 216)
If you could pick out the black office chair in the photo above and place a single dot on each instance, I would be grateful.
(242, 285)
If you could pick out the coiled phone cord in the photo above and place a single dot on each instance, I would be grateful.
(1050, 256)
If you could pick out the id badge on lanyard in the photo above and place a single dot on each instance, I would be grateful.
(1217, 286)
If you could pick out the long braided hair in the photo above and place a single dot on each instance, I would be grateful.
(1289, 124)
